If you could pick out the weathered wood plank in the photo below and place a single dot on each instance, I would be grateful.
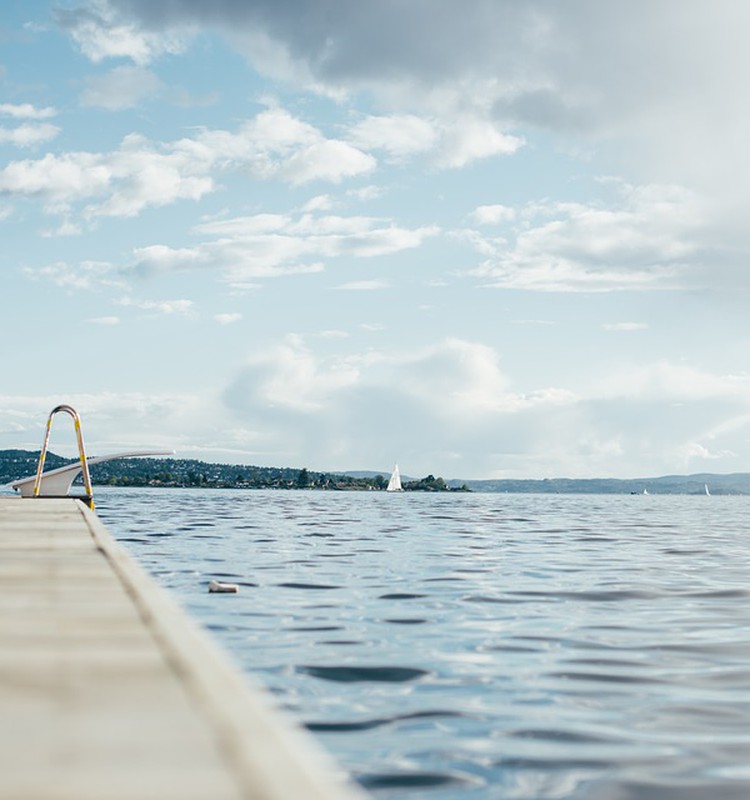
(107, 690)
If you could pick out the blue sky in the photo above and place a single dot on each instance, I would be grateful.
(479, 238)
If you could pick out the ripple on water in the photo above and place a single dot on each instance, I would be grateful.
(378, 722)
(351, 674)
(414, 780)
(293, 585)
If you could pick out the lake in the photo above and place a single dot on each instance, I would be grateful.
(477, 646)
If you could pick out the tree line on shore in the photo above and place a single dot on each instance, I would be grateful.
(184, 473)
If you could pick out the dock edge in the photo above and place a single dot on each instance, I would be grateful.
(273, 757)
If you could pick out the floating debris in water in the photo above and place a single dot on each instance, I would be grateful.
(220, 586)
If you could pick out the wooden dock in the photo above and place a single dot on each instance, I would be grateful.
(109, 692)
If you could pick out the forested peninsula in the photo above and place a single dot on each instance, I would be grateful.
(182, 472)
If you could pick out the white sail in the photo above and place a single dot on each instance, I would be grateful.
(705, 486)
(394, 484)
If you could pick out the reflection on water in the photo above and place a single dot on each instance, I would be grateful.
(475, 645)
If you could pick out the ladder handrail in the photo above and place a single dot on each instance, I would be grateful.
(81, 451)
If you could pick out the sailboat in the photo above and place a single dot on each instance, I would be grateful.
(394, 484)
(705, 486)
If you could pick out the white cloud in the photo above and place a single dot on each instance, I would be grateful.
(122, 87)
(26, 111)
(160, 258)
(422, 404)
(268, 245)
(670, 382)
(292, 378)
(142, 174)
(652, 240)
(321, 202)
(366, 193)
(227, 318)
(471, 138)
(326, 160)
(65, 228)
(28, 135)
(451, 144)
(495, 214)
(101, 32)
(417, 403)
(112, 421)
(58, 179)
(164, 307)
(86, 275)
(399, 135)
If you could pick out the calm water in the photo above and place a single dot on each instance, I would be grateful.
(480, 646)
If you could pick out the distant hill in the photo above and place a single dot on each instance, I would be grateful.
(182, 472)
(737, 483)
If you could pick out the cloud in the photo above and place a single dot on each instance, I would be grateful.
(453, 404)
(86, 275)
(657, 237)
(57, 179)
(452, 144)
(227, 318)
(112, 421)
(26, 111)
(321, 202)
(495, 214)
(670, 382)
(122, 87)
(100, 32)
(65, 228)
(326, 160)
(269, 245)
(468, 139)
(141, 174)
(400, 135)
(505, 64)
(28, 135)
(163, 307)
(450, 404)
(416, 405)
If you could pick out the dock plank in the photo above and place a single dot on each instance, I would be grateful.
(109, 692)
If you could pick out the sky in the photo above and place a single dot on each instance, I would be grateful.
(478, 238)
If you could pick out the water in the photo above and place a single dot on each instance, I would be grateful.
(479, 646)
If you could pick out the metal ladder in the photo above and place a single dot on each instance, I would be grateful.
(88, 498)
